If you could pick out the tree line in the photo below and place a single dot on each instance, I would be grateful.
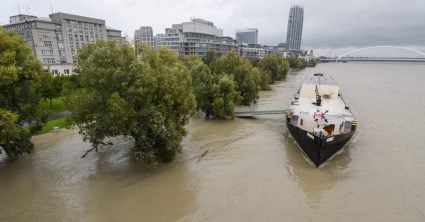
(119, 91)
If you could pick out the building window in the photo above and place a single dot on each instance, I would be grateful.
(47, 52)
(66, 71)
(62, 54)
(47, 43)
(48, 60)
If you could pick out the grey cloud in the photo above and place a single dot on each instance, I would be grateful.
(327, 23)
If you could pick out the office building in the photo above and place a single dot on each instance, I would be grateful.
(248, 36)
(45, 39)
(196, 37)
(55, 41)
(114, 34)
(170, 39)
(144, 35)
(252, 51)
(295, 28)
(76, 32)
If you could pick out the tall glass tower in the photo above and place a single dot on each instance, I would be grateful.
(295, 28)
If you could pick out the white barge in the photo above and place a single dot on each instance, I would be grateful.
(318, 118)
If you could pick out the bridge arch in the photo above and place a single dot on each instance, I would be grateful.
(380, 46)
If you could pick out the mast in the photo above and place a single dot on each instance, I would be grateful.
(318, 97)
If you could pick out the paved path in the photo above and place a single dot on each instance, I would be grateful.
(59, 115)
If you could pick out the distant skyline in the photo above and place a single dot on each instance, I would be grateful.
(328, 24)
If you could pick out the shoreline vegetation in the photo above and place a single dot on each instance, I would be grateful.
(118, 90)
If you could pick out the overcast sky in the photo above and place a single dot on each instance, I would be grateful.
(328, 24)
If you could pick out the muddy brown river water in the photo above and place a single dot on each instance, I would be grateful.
(253, 171)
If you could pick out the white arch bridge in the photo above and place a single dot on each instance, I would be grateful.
(345, 56)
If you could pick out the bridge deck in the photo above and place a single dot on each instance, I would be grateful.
(259, 113)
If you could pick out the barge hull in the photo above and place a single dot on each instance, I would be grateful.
(316, 148)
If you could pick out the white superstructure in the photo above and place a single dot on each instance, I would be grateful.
(319, 109)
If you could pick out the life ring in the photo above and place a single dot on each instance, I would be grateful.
(317, 115)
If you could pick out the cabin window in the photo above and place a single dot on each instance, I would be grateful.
(326, 96)
(301, 122)
(340, 127)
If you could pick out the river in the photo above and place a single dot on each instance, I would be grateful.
(252, 171)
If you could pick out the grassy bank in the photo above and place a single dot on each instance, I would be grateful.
(63, 122)
(58, 105)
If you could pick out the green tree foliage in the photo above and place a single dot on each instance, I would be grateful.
(227, 63)
(210, 58)
(19, 78)
(19, 94)
(265, 79)
(14, 139)
(247, 79)
(296, 63)
(274, 65)
(147, 98)
(51, 86)
(225, 97)
(190, 60)
(216, 95)
(312, 62)
(203, 81)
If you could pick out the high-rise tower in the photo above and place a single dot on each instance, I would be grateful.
(145, 35)
(295, 28)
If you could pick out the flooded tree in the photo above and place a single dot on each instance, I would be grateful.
(19, 94)
(296, 63)
(14, 139)
(147, 97)
(216, 94)
(274, 65)
(247, 80)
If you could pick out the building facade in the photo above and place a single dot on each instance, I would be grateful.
(114, 34)
(248, 36)
(252, 51)
(295, 28)
(45, 39)
(196, 37)
(55, 41)
(144, 35)
(76, 32)
(171, 38)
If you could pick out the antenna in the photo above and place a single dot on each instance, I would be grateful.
(51, 7)
(27, 9)
(18, 7)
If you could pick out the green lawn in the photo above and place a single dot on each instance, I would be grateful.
(57, 105)
(63, 122)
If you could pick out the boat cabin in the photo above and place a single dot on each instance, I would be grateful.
(319, 109)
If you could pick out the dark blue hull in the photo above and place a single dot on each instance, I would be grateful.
(318, 149)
